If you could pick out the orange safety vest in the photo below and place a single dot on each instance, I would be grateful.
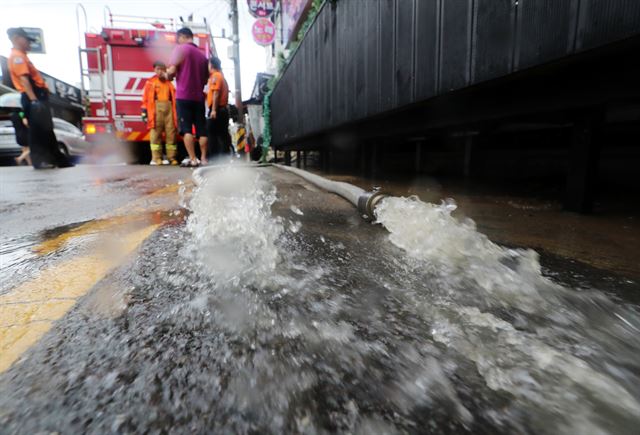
(217, 82)
(20, 65)
(149, 101)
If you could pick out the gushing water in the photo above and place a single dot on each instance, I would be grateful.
(232, 225)
(569, 359)
(450, 333)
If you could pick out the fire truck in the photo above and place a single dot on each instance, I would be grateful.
(116, 62)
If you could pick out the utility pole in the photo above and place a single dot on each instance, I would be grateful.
(235, 38)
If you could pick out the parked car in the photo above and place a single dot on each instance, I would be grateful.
(9, 148)
(71, 140)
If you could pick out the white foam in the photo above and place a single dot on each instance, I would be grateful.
(545, 380)
(234, 233)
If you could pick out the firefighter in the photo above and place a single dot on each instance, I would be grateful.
(159, 112)
(27, 80)
(217, 101)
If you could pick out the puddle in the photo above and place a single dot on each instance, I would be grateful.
(24, 257)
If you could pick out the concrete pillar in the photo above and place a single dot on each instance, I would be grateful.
(287, 158)
(327, 160)
(373, 161)
(304, 159)
(418, 156)
(584, 154)
(468, 156)
(298, 160)
(324, 157)
(361, 156)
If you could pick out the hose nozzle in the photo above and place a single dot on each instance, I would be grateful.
(367, 203)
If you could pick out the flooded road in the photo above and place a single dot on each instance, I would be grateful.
(270, 306)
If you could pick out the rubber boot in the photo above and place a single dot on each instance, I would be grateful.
(156, 154)
(172, 154)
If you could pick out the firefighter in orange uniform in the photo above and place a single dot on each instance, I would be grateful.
(217, 103)
(28, 81)
(159, 112)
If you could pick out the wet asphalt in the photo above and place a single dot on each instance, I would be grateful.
(122, 361)
(35, 201)
(134, 355)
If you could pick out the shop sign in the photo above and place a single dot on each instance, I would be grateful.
(263, 31)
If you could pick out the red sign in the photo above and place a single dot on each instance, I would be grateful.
(263, 31)
(261, 8)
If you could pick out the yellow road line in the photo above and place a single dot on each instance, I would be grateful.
(28, 311)
(131, 212)
(54, 293)
(92, 227)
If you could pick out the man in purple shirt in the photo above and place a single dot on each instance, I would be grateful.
(190, 67)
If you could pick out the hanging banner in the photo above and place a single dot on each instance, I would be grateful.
(294, 12)
(263, 31)
(261, 8)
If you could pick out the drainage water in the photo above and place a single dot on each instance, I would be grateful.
(430, 329)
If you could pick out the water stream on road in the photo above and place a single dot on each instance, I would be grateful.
(437, 330)
(280, 311)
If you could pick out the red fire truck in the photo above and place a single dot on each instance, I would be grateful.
(115, 64)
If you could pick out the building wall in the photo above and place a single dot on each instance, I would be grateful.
(362, 59)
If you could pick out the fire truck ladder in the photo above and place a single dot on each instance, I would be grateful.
(111, 19)
(87, 73)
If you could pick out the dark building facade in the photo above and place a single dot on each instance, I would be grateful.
(406, 69)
